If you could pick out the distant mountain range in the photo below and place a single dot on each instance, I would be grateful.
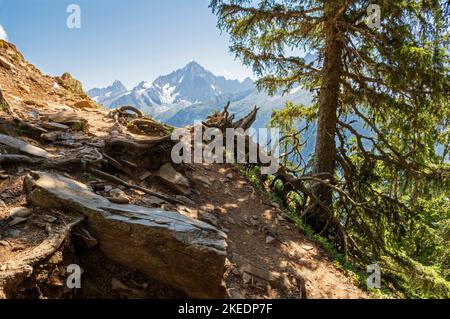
(191, 93)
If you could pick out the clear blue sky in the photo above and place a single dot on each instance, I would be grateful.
(128, 40)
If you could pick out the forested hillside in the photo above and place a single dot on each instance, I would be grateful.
(377, 185)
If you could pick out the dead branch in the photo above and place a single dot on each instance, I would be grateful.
(128, 163)
(113, 162)
(247, 120)
(222, 120)
(122, 182)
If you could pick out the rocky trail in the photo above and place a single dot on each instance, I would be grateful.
(83, 185)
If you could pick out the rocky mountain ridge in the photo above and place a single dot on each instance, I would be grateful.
(191, 93)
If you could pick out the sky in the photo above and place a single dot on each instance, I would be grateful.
(126, 40)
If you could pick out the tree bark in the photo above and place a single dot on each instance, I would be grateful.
(325, 148)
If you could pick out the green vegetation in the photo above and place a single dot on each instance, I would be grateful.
(79, 126)
(377, 186)
(424, 283)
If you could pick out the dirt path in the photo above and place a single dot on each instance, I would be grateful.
(248, 219)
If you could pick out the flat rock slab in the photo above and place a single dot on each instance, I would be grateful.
(64, 117)
(23, 146)
(185, 253)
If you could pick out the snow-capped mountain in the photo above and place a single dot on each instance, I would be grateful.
(191, 93)
(191, 84)
(109, 94)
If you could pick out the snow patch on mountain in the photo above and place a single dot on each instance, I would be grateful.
(192, 92)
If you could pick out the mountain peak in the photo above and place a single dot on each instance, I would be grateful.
(194, 66)
(193, 63)
(108, 94)
(189, 84)
(118, 85)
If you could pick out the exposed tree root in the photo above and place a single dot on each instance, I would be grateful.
(142, 144)
(120, 115)
(17, 270)
(130, 108)
(147, 127)
(122, 182)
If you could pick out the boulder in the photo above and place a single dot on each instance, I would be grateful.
(71, 84)
(177, 182)
(153, 200)
(65, 117)
(182, 252)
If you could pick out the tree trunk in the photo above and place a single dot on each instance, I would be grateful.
(325, 148)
